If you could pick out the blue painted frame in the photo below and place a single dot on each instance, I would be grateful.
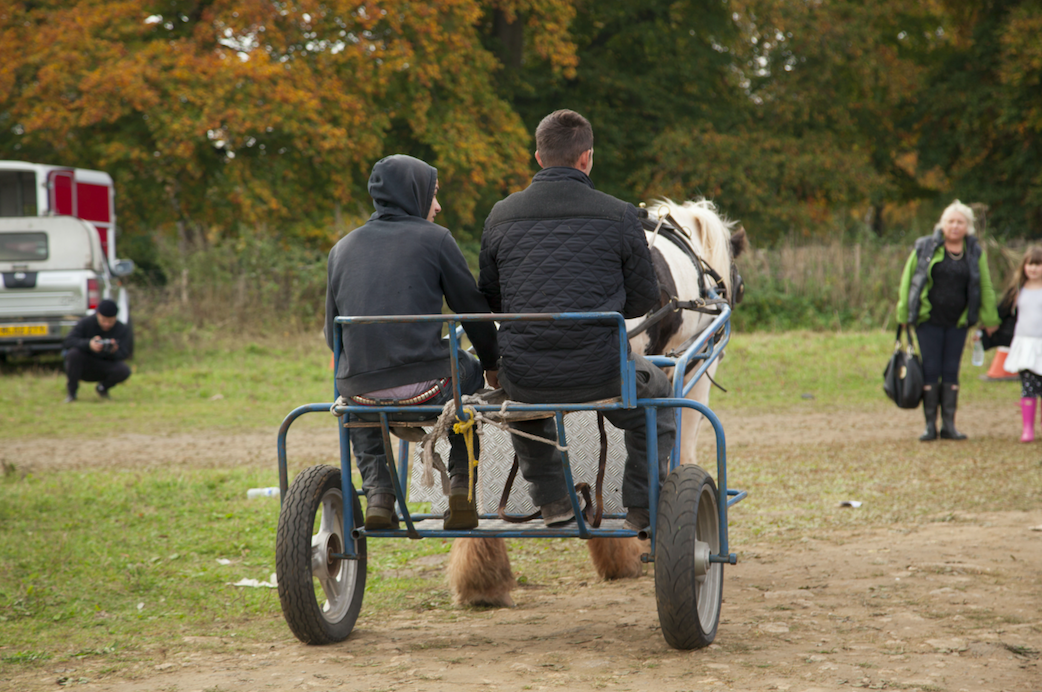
(706, 348)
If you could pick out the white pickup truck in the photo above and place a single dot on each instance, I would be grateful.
(55, 265)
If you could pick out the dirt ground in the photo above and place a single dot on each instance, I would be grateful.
(951, 605)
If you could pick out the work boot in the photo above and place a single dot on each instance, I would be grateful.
(949, 402)
(558, 512)
(463, 512)
(930, 398)
(637, 519)
(379, 512)
(1027, 414)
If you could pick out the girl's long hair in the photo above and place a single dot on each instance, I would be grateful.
(1033, 255)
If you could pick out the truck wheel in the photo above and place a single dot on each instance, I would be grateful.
(688, 587)
(321, 595)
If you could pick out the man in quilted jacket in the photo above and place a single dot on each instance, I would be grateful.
(562, 246)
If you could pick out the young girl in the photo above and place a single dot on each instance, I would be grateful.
(1025, 353)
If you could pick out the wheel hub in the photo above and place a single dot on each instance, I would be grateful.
(702, 564)
(323, 548)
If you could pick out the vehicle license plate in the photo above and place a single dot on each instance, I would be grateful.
(23, 330)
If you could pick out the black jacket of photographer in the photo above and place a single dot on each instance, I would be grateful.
(88, 328)
(399, 263)
(562, 246)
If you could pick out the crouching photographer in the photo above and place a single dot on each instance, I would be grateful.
(95, 350)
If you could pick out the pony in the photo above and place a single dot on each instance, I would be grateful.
(479, 568)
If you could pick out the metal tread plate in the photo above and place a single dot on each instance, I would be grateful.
(497, 457)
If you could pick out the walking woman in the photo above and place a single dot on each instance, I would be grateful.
(946, 288)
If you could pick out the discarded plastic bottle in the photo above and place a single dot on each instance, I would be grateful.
(254, 493)
(978, 350)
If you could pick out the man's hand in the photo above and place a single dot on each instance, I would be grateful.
(114, 346)
(990, 330)
(492, 377)
(95, 344)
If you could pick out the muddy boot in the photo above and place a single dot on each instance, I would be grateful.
(949, 402)
(558, 512)
(463, 513)
(1027, 414)
(379, 512)
(637, 519)
(930, 398)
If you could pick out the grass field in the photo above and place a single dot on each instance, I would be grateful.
(119, 562)
(216, 385)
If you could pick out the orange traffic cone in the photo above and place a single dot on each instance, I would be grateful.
(995, 372)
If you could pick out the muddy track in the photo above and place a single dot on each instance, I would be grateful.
(938, 606)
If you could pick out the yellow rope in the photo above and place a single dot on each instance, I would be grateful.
(467, 429)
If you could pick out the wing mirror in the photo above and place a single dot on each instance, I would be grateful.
(122, 268)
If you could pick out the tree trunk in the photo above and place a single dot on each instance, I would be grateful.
(511, 36)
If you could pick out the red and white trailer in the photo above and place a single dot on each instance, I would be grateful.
(57, 253)
(36, 189)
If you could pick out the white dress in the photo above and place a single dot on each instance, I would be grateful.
(1025, 353)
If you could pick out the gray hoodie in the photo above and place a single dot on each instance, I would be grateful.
(399, 263)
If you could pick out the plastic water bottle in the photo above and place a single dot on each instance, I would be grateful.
(254, 493)
(978, 350)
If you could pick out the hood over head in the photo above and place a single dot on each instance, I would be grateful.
(401, 184)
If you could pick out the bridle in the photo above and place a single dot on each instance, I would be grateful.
(667, 227)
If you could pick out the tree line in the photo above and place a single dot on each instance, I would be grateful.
(802, 119)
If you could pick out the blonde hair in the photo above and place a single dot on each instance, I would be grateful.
(960, 208)
(1033, 255)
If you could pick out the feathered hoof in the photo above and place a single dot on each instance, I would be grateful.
(479, 573)
(616, 558)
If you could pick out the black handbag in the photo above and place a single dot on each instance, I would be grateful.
(903, 377)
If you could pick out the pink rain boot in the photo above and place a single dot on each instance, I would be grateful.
(1027, 412)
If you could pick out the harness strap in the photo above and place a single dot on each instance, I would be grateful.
(673, 305)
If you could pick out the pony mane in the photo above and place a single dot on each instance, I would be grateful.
(706, 227)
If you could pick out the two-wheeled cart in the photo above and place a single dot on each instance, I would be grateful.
(321, 549)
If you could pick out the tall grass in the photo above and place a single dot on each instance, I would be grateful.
(850, 286)
(261, 285)
(250, 286)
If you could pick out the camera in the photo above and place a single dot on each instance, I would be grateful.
(107, 343)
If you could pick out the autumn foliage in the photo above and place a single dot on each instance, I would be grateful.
(218, 117)
(213, 113)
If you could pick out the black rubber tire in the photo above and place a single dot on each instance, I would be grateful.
(688, 609)
(312, 621)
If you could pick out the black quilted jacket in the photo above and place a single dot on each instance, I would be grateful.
(562, 246)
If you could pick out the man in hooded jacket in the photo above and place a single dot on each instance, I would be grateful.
(401, 263)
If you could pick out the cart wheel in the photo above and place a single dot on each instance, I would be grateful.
(320, 595)
(688, 587)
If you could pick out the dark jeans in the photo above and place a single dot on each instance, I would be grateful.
(368, 443)
(941, 349)
(90, 368)
(541, 464)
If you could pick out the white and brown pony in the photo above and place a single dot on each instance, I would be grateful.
(690, 243)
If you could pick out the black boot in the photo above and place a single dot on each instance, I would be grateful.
(463, 512)
(379, 512)
(463, 508)
(930, 398)
(949, 402)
